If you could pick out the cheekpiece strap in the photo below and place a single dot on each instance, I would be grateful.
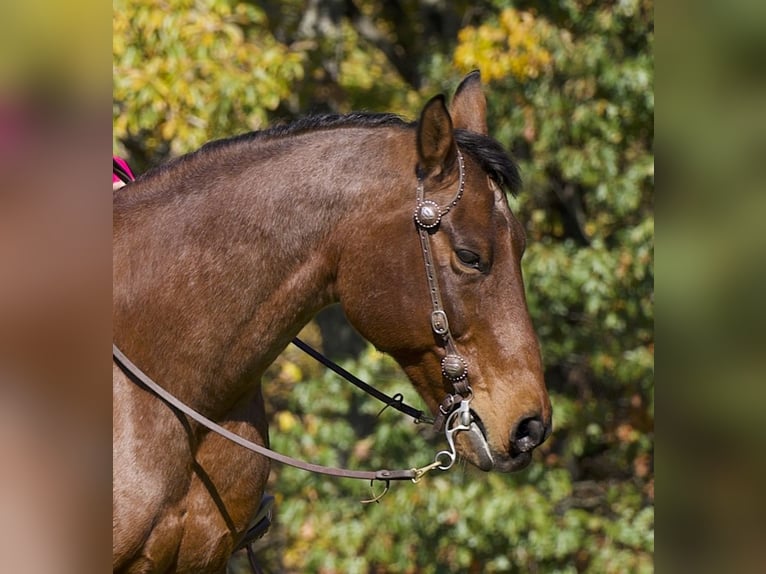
(428, 215)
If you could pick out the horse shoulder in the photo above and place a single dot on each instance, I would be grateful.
(151, 458)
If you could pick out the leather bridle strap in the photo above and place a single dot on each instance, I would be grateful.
(428, 216)
(395, 402)
(138, 376)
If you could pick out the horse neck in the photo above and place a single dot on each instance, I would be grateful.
(220, 260)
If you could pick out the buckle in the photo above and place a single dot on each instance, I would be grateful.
(439, 322)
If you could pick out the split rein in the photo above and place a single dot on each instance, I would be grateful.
(141, 378)
(454, 413)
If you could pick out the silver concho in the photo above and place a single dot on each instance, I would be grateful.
(428, 214)
(454, 367)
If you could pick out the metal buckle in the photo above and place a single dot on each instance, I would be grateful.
(439, 322)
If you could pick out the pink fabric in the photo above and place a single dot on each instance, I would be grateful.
(124, 165)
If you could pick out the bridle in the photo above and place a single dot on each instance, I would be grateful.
(455, 407)
(454, 414)
(428, 215)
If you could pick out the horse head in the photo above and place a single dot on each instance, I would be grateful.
(454, 173)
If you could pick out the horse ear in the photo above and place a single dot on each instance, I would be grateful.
(436, 145)
(469, 106)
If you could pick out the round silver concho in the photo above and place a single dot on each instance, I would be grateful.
(454, 367)
(428, 214)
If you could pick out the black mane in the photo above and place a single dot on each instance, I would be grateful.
(313, 123)
(485, 150)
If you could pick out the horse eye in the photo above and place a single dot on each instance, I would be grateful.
(469, 258)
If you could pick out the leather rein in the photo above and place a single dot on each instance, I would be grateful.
(454, 414)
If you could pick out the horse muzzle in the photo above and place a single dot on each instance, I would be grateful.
(530, 433)
(527, 435)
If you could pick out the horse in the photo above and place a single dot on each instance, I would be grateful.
(222, 255)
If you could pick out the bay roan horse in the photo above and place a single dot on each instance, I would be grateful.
(223, 255)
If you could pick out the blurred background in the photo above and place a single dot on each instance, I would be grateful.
(570, 89)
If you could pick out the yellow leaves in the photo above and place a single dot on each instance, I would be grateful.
(512, 47)
(156, 20)
(290, 372)
(168, 130)
(286, 421)
(211, 60)
(207, 39)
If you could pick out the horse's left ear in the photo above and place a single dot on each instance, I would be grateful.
(436, 145)
(469, 106)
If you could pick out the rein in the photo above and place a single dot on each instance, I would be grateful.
(138, 376)
(396, 402)
(454, 412)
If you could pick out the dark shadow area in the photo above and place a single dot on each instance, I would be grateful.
(339, 339)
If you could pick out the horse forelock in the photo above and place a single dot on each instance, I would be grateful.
(492, 158)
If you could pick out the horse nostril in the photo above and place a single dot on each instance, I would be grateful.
(529, 433)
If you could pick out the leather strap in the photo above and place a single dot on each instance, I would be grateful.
(428, 216)
(395, 402)
(138, 376)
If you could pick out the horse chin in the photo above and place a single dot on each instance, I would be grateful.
(512, 463)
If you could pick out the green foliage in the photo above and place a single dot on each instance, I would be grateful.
(457, 521)
(570, 92)
(188, 71)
